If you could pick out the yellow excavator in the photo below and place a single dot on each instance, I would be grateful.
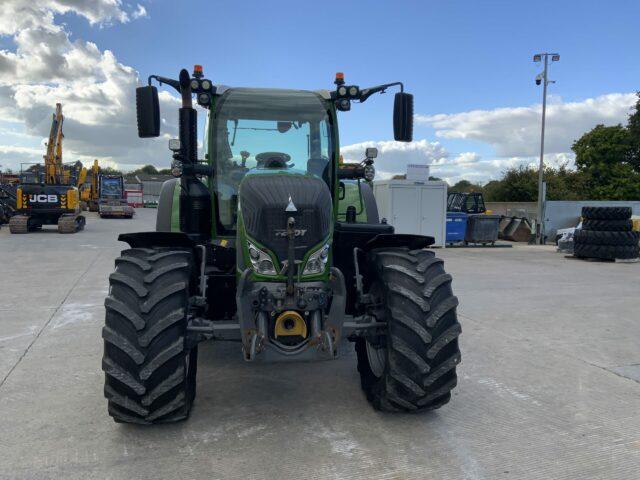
(89, 194)
(54, 200)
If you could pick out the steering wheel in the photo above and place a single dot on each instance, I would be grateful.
(272, 159)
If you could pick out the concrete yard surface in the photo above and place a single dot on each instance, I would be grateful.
(548, 386)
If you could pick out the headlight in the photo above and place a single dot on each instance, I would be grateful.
(353, 91)
(342, 91)
(176, 168)
(260, 261)
(317, 261)
(369, 172)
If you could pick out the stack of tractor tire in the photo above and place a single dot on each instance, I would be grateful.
(606, 233)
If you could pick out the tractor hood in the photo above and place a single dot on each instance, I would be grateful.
(267, 200)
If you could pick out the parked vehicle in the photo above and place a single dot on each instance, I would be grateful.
(249, 247)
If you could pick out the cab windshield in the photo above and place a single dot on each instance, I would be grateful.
(264, 131)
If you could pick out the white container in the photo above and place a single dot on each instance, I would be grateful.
(418, 208)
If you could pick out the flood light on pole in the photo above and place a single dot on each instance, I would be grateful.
(543, 79)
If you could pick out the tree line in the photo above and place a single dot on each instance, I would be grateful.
(148, 169)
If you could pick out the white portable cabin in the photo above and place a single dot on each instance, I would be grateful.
(415, 207)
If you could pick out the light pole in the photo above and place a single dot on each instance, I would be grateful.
(544, 79)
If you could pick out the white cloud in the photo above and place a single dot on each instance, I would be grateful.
(18, 15)
(515, 132)
(140, 12)
(97, 92)
(393, 157)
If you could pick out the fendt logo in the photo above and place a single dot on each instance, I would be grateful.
(43, 198)
(298, 232)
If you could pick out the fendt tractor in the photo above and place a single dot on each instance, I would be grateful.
(53, 200)
(249, 247)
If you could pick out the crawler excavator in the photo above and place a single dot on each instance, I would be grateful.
(89, 194)
(53, 202)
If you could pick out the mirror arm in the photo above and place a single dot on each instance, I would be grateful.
(367, 92)
(169, 81)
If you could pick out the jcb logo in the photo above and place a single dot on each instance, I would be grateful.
(43, 198)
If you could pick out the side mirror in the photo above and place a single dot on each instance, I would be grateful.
(148, 111)
(403, 117)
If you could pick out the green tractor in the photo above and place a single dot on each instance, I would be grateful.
(250, 247)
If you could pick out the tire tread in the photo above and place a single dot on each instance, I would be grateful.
(149, 370)
(422, 333)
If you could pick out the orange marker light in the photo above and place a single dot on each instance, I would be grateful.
(197, 71)
(339, 78)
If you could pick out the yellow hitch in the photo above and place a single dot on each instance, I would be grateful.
(289, 324)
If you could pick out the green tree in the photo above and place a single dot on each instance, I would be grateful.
(110, 171)
(605, 156)
(521, 185)
(491, 191)
(148, 169)
(633, 127)
(465, 186)
(517, 185)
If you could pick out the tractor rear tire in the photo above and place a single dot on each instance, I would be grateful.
(608, 225)
(150, 373)
(606, 213)
(412, 366)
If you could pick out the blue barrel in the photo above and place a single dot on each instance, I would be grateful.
(456, 226)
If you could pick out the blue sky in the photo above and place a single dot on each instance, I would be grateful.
(468, 64)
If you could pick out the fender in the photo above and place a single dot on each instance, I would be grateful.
(157, 239)
(168, 217)
(413, 242)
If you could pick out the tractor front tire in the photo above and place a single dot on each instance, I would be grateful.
(150, 372)
(412, 366)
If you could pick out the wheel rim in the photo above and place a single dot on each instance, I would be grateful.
(377, 358)
(376, 353)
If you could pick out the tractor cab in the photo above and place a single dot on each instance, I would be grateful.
(265, 133)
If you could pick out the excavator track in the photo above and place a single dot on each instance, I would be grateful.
(19, 224)
(70, 223)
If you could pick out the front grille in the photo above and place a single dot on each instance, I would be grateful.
(264, 199)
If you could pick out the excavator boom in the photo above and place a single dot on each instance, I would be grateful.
(53, 158)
